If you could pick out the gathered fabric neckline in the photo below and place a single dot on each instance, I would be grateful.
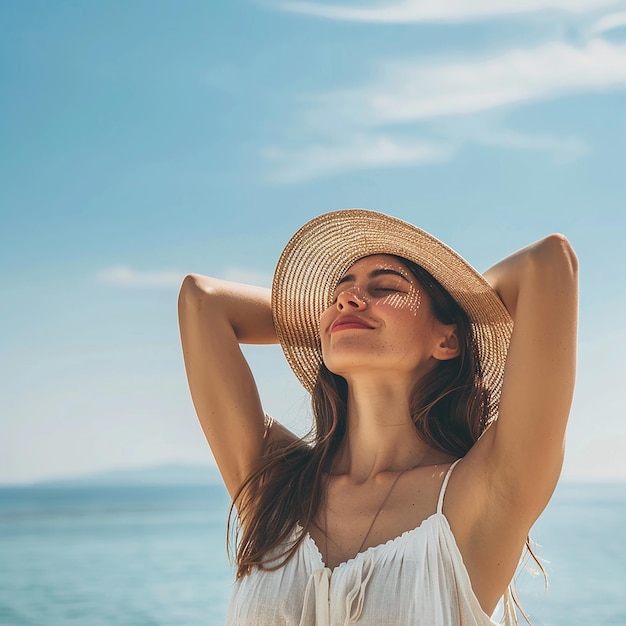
(372, 549)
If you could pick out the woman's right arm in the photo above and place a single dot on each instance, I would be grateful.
(215, 316)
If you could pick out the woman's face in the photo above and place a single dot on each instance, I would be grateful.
(380, 319)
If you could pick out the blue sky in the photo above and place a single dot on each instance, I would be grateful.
(141, 141)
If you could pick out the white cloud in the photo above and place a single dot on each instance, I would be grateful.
(442, 11)
(562, 149)
(349, 127)
(608, 22)
(406, 91)
(127, 277)
(355, 153)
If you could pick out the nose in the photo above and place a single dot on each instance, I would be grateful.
(351, 299)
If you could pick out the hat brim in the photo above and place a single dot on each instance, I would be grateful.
(321, 252)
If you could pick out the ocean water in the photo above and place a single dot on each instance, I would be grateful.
(155, 556)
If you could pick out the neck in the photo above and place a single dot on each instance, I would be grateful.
(380, 434)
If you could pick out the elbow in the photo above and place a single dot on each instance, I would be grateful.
(188, 290)
(562, 252)
(194, 290)
(555, 256)
(191, 282)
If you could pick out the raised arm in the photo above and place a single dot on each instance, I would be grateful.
(507, 478)
(539, 287)
(216, 316)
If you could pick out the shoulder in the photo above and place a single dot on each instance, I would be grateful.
(487, 528)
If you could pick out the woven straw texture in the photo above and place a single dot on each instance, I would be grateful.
(321, 252)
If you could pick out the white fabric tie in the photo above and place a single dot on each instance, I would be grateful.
(318, 592)
(356, 598)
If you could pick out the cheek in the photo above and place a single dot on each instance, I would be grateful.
(410, 302)
(325, 320)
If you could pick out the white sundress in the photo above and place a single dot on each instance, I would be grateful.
(416, 579)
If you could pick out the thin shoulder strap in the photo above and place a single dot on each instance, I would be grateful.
(442, 493)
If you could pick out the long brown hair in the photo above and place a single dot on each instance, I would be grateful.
(450, 410)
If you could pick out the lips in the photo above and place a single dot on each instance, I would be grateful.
(350, 322)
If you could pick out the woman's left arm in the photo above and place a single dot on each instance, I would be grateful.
(539, 287)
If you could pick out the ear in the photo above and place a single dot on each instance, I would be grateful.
(448, 345)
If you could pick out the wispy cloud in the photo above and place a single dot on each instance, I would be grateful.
(562, 149)
(355, 153)
(350, 128)
(416, 90)
(608, 23)
(127, 277)
(443, 11)
(124, 276)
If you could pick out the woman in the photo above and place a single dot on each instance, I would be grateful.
(427, 380)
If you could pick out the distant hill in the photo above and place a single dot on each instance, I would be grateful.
(168, 474)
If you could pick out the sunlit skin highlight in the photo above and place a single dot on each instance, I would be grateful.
(400, 292)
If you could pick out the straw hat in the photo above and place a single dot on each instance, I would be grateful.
(321, 252)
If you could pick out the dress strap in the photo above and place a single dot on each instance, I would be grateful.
(443, 487)
(268, 422)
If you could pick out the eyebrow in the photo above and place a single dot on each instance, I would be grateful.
(349, 278)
